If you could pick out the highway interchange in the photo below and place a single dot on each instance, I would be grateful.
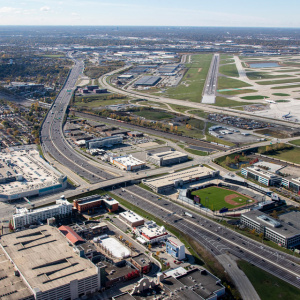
(217, 239)
(54, 142)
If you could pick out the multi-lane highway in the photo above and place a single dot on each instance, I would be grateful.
(52, 138)
(216, 238)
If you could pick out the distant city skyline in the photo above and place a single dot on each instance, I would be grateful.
(233, 13)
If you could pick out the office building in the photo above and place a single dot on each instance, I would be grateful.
(283, 232)
(108, 141)
(95, 201)
(260, 175)
(48, 266)
(167, 158)
(131, 218)
(175, 248)
(291, 183)
(25, 217)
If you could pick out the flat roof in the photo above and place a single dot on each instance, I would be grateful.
(117, 249)
(128, 160)
(152, 230)
(148, 80)
(261, 172)
(185, 175)
(169, 155)
(131, 216)
(11, 285)
(273, 168)
(292, 218)
(175, 241)
(286, 230)
(45, 258)
(35, 172)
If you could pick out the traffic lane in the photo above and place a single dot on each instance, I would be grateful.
(225, 244)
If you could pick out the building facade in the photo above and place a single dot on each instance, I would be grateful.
(167, 158)
(260, 175)
(104, 142)
(24, 217)
(131, 218)
(175, 248)
(128, 163)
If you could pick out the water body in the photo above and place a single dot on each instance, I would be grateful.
(264, 65)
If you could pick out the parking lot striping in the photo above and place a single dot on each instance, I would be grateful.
(227, 240)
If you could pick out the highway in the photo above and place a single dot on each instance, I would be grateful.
(52, 138)
(211, 81)
(216, 238)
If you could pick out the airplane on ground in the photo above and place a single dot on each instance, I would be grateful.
(270, 101)
(287, 115)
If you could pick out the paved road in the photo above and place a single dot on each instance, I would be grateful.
(216, 238)
(53, 141)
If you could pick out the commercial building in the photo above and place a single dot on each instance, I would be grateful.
(131, 218)
(175, 248)
(151, 233)
(141, 262)
(95, 201)
(147, 81)
(178, 179)
(24, 173)
(128, 163)
(260, 175)
(167, 158)
(71, 235)
(285, 232)
(104, 142)
(48, 265)
(291, 183)
(24, 217)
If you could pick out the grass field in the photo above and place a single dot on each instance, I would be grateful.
(154, 115)
(230, 83)
(98, 101)
(216, 198)
(238, 92)
(224, 102)
(292, 155)
(229, 70)
(287, 71)
(258, 97)
(281, 94)
(268, 286)
(285, 87)
(295, 142)
(270, 82)
(149, 103)
(192, 84)
(264, 75)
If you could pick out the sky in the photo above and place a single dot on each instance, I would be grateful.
(232, 13)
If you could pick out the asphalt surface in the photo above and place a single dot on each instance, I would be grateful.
(54, 142)
(211, 82)
(216, 238)
(205, 146)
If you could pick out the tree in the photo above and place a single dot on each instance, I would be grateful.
(157, 253)
(252, 231)
(149, 246)
(227, 161)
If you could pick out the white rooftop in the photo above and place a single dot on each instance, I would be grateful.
(152, 230)
(116, 248)
(131, 216)
(128, 160)
(273, 168)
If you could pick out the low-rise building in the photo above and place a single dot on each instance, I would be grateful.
(291, 183)
(284, 232)
(128, 163)
(131, 218)
(178, 179)
(141, 262)
(25, 217)
(95, 201)
(108, 141)
(260, 175)
(175, 248)
(151, 233)
(167, 158)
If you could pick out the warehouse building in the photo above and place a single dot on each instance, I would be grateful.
(48, 266)
(131, 218)
(260, 175)
(165, 183)
(285, 232)
(147, 81)
(167, 158)
(128, 163)
(25, 217)
(96, 201)
(104, 142)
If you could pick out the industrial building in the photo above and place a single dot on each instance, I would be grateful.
(167, 158)
(151, 233)
(261, 175)
(104, 142)
(131, 218)
(48, 266)
(24, 173)
(147, 81)
(175, 248)
(178, 179)
(25, 217)
(168, 69)
(96, 201)
(284, 232)
(128, 163)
